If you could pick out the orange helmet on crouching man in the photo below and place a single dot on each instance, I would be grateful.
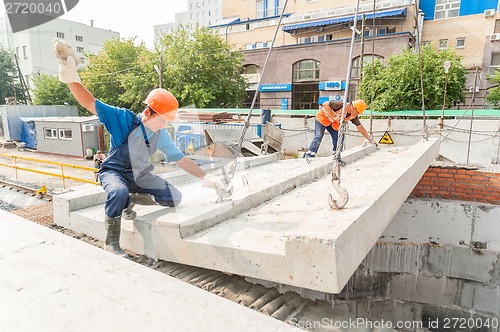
(163, 102)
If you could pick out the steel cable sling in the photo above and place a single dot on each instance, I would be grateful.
(337, 161)
(233, 164)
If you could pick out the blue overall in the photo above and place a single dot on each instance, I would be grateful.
(127, 168)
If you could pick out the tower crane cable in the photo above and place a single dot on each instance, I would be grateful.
(234, 163)
(337, 163)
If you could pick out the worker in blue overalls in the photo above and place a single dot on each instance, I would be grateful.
(126, 175)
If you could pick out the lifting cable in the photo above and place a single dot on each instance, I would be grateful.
(419, 47)
(337, 162)
(232, 166)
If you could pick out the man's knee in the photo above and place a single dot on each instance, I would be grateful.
(174, 199)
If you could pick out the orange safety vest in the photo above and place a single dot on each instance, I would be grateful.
(327, 118)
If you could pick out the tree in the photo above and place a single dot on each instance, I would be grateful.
(108, 73)
(8, 71)
(201, 69)
(49, 90)
(396, 86)
(493, 95)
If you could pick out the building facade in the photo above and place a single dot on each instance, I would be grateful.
(310, 57)
(33, 47)
(472, 29)
(201, 13)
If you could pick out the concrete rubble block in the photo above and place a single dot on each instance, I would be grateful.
(449, 318)
(393, 257)
(480, 297)
(388, 314)
(486, 226)
(424, 289)
(437, 261)
(473, 265)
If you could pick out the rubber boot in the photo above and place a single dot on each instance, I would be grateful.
(129, 212)
(112, 243)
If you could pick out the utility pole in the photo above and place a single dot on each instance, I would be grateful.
(159, 70)
(361, 57)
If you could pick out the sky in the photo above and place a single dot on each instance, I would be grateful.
(126, 17)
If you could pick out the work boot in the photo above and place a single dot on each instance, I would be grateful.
(112, 243)
(129, 213)
(142, 199)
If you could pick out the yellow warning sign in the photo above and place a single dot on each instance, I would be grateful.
(386, 139)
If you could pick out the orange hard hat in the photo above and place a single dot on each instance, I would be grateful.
(163, 102)
(359, 105)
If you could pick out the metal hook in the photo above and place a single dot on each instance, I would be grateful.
(343, 194)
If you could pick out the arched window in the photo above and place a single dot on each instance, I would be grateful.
(250, 69)
(305, 89)
(356, 65)
(306, 70)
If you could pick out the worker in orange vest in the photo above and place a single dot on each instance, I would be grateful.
(329, 117)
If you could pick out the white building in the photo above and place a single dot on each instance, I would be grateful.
(200, 12)
(33, 47)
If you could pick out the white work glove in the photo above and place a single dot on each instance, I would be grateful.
(68, 62)
(369, 141)
(210, 181)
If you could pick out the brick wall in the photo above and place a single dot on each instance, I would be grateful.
(457, 182)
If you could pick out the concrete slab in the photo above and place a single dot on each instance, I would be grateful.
(51, 282)
(278, 226)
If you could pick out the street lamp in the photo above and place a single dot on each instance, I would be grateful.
(446, 65)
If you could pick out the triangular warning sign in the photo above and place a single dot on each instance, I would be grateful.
(386, 139)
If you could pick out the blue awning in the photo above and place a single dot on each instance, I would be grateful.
(344, 19)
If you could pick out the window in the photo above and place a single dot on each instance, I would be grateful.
(306, 70)
(446, 9)
(50, 133)
(249, 46)
(79, 49)
(443, 44)
(82, 60)
(497, 26)
(60, 35)
(250, 69)
(79, 38)
(426, 42)
(495, 62)
(461, 42)
(25, 53)
(367, 59)
(65, 134)
(17, 52)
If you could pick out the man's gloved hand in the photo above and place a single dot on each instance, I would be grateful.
(213, 182)
(68, 62)
(370, 141)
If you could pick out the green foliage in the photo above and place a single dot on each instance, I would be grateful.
(49, 90)
(201, 69)
(108, 73)
(7, 69)
(493, 96)
(198, 67)
(396, 86)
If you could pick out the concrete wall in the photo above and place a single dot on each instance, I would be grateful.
(11, 115)
(484, 142)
